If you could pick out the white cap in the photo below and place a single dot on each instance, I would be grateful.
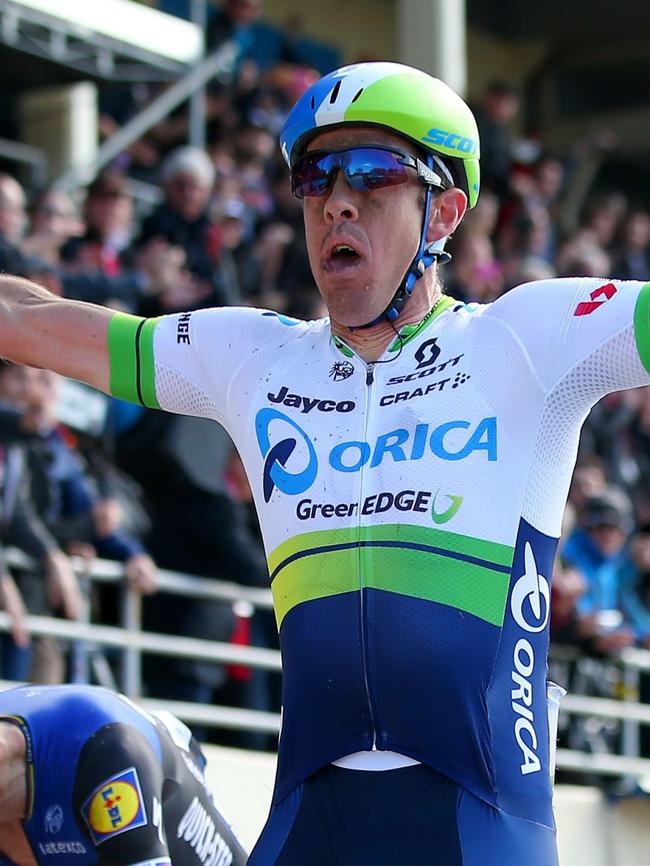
(189, 160)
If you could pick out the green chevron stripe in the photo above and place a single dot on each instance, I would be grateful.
(492, 551)
(459, 571)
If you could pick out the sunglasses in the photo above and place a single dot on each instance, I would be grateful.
(365, 169)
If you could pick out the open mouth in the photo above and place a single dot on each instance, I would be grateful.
(341, 257)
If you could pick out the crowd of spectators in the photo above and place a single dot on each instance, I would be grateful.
(150, 489)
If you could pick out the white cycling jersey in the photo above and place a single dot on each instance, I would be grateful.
(410, 510)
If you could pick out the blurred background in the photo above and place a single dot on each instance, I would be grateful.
(139, 168)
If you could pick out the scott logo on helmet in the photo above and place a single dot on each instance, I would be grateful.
(452, 140)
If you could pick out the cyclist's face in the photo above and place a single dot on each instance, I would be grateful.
(361, 243)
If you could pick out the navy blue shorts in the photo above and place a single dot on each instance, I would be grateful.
(411, 816)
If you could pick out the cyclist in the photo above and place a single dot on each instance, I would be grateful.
(410, 458)
(89, 778)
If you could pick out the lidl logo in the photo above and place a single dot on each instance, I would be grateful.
(116, 806)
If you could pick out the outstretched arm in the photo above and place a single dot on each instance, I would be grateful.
(40, 329)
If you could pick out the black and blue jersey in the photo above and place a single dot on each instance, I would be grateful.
(110, 785)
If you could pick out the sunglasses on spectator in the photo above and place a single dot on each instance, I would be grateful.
(365, 169)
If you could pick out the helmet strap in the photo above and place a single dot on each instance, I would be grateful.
(426, 255)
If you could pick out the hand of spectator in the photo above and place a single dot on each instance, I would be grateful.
(142, 573)
(62, 584)
(614, 640)
(107, 516)
(168, 277)
(161, 262)
(38, 418)
(13, 603)
(144, 153)
(81, 549)
(270, 252)
(276, 236)
(587, 625)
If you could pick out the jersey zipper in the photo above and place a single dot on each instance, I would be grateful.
(363, 601)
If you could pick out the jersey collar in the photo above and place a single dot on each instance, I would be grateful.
(406, 332)
(409, 332)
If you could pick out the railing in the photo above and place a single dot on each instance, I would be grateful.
(132, 643)
(218, 63)
(625, 709)
(33, 157)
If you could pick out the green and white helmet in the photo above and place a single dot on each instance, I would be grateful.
(397, 97)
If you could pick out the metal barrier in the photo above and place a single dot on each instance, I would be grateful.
(133, 642)
(33, 157)
(220, 62)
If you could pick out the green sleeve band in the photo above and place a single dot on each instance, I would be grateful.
(130, 350)
(642, 325)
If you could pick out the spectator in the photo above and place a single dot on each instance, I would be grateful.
(119, 102)
(238, 21)
(567, 627)
(484, 216)
(232, 247)
(89, 263)
(611, 604)
(61, 492)
(171, 286)
(12, 602)
(524, 236)
(631, 258)
(636, 439)
(589, 481)
(53, 222)
(182, 220)
(197, 528)
(475, 274)
(610, 433)
(549, 174)
(253, 148)
(51, 587)
(603, 216)
(494, 113)
(281, 246)
(581, 256)
(13, 221)
(108, 215)
(253, 688)
(76, 518)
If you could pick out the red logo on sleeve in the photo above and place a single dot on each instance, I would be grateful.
(585, 308)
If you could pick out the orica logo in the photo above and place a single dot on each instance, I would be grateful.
(278, 436)
(530, 607)
(275, 473)
(530, 601)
